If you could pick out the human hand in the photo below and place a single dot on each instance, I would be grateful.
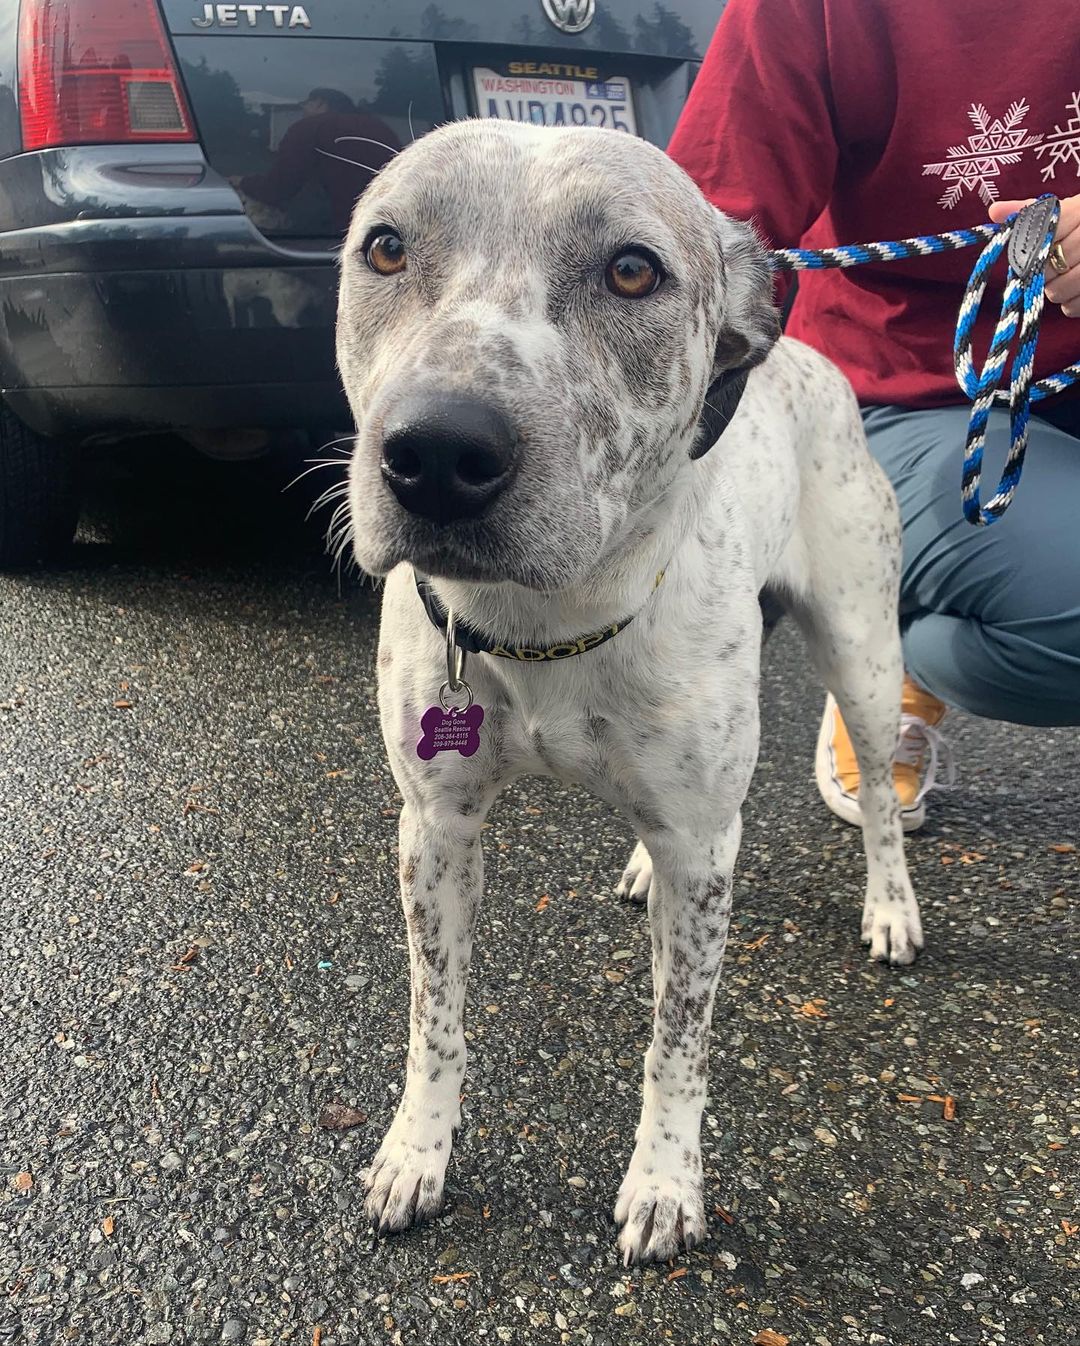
(1062, 287)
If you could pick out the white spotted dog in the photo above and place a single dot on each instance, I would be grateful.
(544, 334)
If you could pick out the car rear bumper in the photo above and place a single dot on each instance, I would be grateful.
(132, 325)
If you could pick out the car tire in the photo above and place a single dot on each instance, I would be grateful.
(39, 494)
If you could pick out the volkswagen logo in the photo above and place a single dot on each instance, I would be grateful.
(571, 16)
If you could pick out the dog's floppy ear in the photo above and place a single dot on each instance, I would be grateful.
(749, 326)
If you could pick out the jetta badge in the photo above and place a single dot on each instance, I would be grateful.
(571, 16)
(235, 15)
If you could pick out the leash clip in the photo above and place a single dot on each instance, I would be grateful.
(455, 666)
(1029, 232)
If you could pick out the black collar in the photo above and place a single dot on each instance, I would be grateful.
(475, 642)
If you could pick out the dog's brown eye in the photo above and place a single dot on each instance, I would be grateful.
(386, 254)
(632, 274)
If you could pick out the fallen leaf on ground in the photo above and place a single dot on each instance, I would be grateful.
(758, 943)
(767, 1337)
(196, 867)
(677, 1274)
(727, 1219)
(948, 1110)
(1070, 1228)
(542, 905)
(339, 1117)
(107, 1226)
(23, 1181)
(812, 1009)
(193, 806)
(909, 1098)
(454, 1276)
(1063, 848)
(122, 704)
(971, 857)
(316, 1337)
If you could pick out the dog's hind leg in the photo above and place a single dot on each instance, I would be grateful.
(661, 1205)
(850, 621)
(862, 670)
(441, 880)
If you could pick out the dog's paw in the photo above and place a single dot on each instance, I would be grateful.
(637, 876)
(404, 1185)
(892, 927)
(660, 1213)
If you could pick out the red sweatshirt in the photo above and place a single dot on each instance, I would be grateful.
(853, 121)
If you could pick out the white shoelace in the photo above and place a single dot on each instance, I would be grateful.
(918, 738)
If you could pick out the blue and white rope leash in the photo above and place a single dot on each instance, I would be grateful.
(1028, 235)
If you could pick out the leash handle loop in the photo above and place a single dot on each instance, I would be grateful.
(1028, 235)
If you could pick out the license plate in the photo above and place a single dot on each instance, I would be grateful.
(555, 102)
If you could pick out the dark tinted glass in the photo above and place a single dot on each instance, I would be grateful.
(299, 127)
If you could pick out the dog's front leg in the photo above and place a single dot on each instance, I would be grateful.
(660, 1205)
(441, 880)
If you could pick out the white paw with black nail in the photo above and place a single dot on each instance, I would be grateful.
(660, 1210)
(404, 1184)
(637, 876)
(891, 925)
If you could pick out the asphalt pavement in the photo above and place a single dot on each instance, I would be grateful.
(202, 951)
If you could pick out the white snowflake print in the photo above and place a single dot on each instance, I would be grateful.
(1063, 143)
(973, 167)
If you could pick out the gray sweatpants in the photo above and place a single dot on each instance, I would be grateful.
(990, 617)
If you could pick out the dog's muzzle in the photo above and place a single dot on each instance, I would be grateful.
(447, 456)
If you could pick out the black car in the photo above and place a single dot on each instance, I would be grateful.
(175, 176)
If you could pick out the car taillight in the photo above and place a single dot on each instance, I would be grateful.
(97, 72)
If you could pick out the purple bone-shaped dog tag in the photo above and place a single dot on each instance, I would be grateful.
(449, 731)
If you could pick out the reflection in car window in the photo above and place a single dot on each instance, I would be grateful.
(330, 146)
(272, 114)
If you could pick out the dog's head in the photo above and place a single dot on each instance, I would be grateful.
(529, 324)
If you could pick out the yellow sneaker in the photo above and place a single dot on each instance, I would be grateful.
(920, 750)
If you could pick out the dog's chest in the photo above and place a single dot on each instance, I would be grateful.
(639, 747)
(574, 742)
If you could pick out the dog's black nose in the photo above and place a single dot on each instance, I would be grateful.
(447, 457)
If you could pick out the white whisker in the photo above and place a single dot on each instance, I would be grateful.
(341, 439)
(367, 167)
(316, 463)
(338, 492)
(367, 141)
(339, 535)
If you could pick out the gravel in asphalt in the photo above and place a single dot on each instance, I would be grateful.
(203, 952)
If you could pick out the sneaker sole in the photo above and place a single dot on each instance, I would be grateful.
(836, 800)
